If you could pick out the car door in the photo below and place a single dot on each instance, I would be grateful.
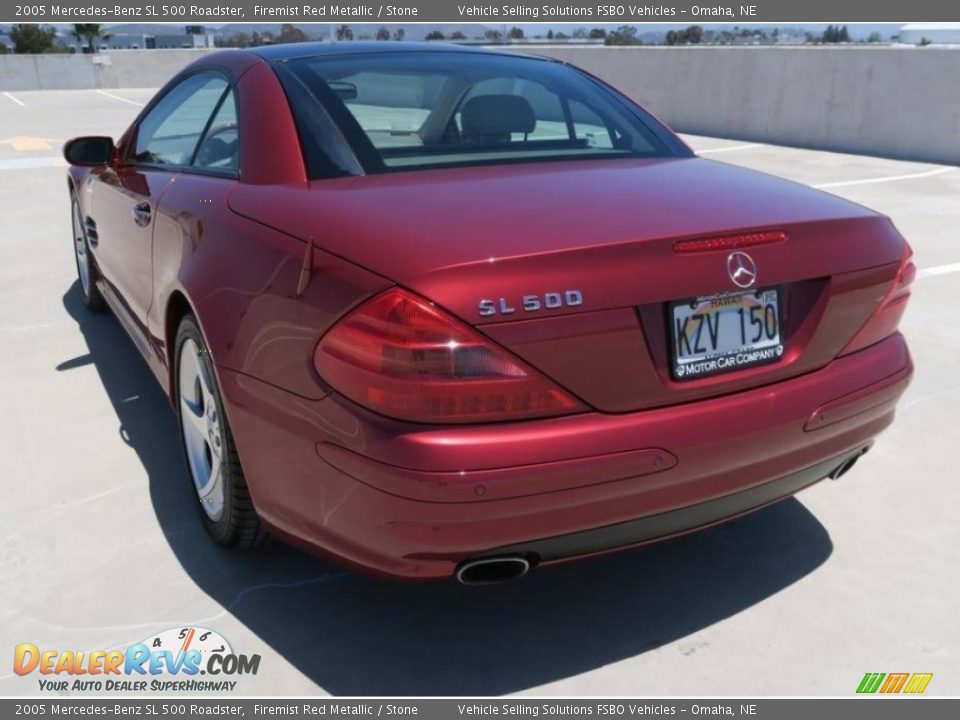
(126, 195)
(193, 210)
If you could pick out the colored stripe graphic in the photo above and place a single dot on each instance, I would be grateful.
(870, 682)
(918, 683)
(894, 682)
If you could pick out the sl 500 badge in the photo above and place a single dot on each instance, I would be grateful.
(531, 303)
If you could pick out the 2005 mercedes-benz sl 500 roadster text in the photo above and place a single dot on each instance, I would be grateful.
(436, 311)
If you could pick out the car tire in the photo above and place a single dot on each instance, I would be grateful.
(213, 465)
(87, 273)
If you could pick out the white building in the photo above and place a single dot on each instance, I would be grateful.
(938, 33)
(121, 41)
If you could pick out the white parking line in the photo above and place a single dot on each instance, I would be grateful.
(27, 328)
(31, 163)
(889, 178)
(21, 103)
(939, 270)
(730, 148)
(121, 99)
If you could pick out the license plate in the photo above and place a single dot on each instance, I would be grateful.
(721, 333)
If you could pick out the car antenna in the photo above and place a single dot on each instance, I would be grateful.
(305, 268)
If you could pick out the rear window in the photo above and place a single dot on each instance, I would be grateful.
(412, 110)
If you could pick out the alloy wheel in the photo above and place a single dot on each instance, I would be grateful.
(80, 250)
(202, 430)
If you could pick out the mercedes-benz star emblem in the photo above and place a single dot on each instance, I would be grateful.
(742, 269)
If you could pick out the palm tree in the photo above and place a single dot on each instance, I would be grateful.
(89, 32)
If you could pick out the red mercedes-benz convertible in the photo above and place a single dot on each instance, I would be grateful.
(447, 312)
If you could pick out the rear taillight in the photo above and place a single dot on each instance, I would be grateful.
(886, 318)
(402, 357)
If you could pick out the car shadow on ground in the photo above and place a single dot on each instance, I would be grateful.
(356, 636)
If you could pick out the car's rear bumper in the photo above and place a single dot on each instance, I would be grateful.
(414, 501)
(675, 522)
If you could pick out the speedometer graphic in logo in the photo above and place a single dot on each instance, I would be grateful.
(184, 639)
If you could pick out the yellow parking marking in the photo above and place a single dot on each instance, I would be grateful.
(24, 143)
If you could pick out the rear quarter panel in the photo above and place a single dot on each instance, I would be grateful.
(240, 279)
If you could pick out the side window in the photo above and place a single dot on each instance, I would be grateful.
(168, 135)
(589, 126)
(220, 147)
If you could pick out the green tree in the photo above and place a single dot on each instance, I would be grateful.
(258, 39)
(875, 37)
(88, 33)
(492, 35)
(237, 40)
(515, 33)
(32, 39)
(623, 35)
(344, 33)
(434, 35)
(597, 34)
(399, 34)
(3, 49)
(458, 36)
(550, 34)
(291, 34)
(383, 34)
(692, 35)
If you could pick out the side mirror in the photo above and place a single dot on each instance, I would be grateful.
(89, 151)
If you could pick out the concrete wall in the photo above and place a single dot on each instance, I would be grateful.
(47, 72)
(895, 102)
(114, 69)
(145, 68)
(889, 101)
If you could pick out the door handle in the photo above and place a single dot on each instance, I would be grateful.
(141, 214)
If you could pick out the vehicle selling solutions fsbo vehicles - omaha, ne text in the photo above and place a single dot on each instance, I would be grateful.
(450, 312)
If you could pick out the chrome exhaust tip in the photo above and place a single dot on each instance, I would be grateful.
(487, 571)
(843, 468)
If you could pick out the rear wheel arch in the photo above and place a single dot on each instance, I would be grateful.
(213, 462)
(178, 307)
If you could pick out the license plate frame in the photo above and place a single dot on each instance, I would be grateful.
(685, 367)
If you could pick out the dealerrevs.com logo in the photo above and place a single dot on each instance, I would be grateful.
(189, 659)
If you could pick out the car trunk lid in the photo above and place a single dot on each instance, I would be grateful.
(578, 260)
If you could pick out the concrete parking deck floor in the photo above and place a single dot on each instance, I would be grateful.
(100, 547)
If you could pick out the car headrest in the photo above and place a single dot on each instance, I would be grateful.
(497, 116)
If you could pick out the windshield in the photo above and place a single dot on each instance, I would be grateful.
(411, 110)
